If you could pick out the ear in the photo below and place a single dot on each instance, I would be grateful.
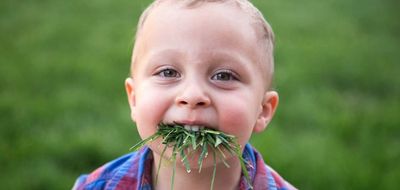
(268, 107)
(130, 91)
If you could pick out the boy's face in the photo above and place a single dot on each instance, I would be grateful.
(199, 67)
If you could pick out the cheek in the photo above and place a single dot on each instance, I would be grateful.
(238, 118)
(149, 111)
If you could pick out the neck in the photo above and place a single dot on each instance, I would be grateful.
(225, 178)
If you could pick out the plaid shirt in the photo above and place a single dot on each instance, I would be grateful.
(133, 172)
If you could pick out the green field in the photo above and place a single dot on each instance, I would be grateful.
(63, 108)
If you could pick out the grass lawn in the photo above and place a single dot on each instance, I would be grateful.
(64, 112)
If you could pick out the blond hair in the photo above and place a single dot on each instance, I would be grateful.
(262, 27)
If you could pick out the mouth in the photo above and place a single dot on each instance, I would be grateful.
(188, 127)
(184, 139)
(193, 128)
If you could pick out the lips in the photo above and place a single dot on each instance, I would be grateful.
(193, 127)
(190, 126)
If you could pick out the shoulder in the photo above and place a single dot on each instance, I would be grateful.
(265, 177)
(114, 173)
(281, 184)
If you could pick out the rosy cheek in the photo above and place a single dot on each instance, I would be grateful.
(236, 121)
(148, 115)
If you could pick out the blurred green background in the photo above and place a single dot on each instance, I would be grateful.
(63, 108)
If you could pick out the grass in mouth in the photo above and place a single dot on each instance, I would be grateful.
(184, 142)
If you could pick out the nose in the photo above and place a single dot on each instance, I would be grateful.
(193, 96)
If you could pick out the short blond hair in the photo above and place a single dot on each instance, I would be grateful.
(262, 28)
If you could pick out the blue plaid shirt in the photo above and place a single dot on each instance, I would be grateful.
(133, 172)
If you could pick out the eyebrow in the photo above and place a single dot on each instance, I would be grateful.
(223, 55)
(217, 56)
(156, 54)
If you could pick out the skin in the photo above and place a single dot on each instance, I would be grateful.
(199, 67)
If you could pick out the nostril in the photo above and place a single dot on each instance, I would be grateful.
(183, 102)
(192, 102)
(201, 104)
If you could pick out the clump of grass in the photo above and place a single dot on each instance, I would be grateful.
(184, 142)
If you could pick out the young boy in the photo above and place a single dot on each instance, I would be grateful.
(197, 63)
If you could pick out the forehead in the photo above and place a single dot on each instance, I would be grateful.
(214, 24)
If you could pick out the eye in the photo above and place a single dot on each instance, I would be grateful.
(225, 75)
(168, 73)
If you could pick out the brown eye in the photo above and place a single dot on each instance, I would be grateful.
(167, 73)
(224, 76)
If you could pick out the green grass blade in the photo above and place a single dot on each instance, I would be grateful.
(202, 156)
(185, 161)
(145, 141)
(160, 162)
(218, 141)
(214, 171)
(173, 168)
(194, 145)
